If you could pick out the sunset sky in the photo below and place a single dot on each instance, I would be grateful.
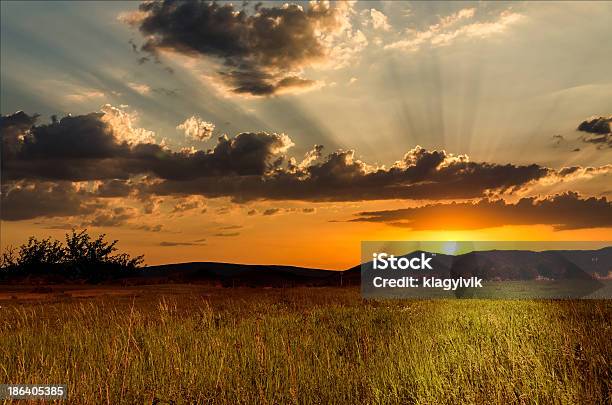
(287, 133)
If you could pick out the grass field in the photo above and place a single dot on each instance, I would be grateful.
(190, 345)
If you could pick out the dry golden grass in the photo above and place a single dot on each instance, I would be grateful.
(200, 345)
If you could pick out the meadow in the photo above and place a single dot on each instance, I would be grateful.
(184, 344)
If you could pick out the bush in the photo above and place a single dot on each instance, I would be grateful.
(82, 257)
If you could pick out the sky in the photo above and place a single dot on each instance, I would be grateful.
(286, 133)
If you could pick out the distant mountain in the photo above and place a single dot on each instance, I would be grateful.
(240, 275)
(519, 264)
(596, 262)
(528, 265)
(489, 265)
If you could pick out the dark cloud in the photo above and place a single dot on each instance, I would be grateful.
(246, 167)
(421, 174)
(227, 234)
(149, 228)
(27, 201)
(258, 52)
(13, 128)
(230, 227)
(271, 211)
(599, 125)
(562, 211)
(598, 130)
(73, 148)
(72, 137)
(113, 217)
(115, 188)
(250, 166)
(86, 147)
(308, 210)
(174, 244)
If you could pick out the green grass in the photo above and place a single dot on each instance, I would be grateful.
(308, 346)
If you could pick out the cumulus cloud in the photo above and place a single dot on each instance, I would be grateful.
(450, 28)
(13, 129)
(598, 131)
(94, 147)
(257, 53)
(379, 20)
(197, 129)
(249, 166)
(562, 211)
(421, 174)
(122, 123)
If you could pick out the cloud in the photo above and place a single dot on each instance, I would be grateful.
(197, 129)
(227, 234)
(379, 20)
(62, 150)
(85, 205)
(340, 176)
(174, 244)
(123, 126)
(598, 130)
(105, 145)
(188, 204)
(258, 53)
(140, 88)
(113, 217)
(149, 228)
(31, 200)
(84, 94)
(115, 188)
(562, 211)
(271, 211)
(448, 30)
(558, 139)
(13, 129)
(596, 125)
(230, 227)
(249, 166)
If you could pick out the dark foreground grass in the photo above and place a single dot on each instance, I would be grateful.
(308, 346)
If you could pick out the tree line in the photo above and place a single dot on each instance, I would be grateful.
(81, 256)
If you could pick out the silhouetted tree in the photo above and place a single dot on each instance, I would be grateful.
(82, 257)
(40, 252)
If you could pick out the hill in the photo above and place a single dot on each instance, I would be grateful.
(489, 265)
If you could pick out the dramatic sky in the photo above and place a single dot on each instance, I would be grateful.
(288, 133)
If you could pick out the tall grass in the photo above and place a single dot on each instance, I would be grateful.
(309, 346)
